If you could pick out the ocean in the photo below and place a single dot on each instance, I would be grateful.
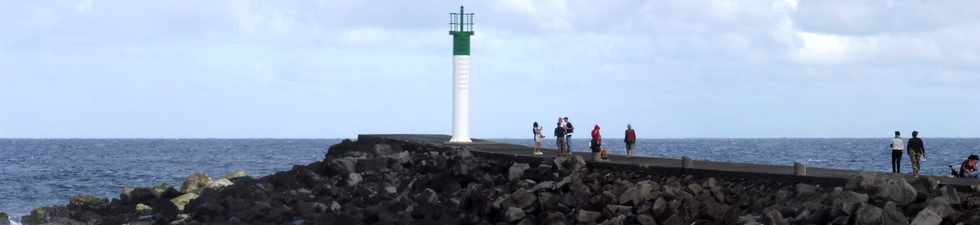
(42, 172)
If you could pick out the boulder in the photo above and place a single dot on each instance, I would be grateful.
(513, 214)
(893, 215)
(925, 185)
(371, 165)
(523, 199)
(220, 183)
(646, 220)
(803, 189)
(695, 189)
(340, 166)
(951, 195)
(234, 174)
(659, 207)
(38, 216)
(618, 220)
(637, 194)
(182, 200)
(586, 216)
(868, 215)
(885, 186)
(195, 183)
(927, 216)
(353, 179)
(4, 219)
(936, 209)
(847, 201)
(143, 209)
(774, 217)
(547, 185)
(517, 170)
(87, 202)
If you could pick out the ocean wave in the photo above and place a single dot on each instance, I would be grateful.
(12, 222)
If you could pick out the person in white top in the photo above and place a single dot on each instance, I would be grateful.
(897, 146)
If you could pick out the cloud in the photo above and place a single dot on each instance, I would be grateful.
(342, 67)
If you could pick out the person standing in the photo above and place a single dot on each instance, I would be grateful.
(917, 152)
(569, 129)
(630, 140)
(560, 139)
(538, 137)
(896, 146)
(596, 143)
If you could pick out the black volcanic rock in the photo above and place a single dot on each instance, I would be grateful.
(375, 181)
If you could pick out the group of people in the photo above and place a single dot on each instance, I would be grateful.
(563, 134)
(916, 150)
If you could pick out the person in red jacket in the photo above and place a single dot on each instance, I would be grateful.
(596, 142)
(630, 140)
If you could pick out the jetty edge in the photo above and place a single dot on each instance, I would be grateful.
(422, 179)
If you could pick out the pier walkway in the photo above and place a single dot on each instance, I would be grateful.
(652, 163)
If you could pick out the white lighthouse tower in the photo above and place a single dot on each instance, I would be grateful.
(461, 28)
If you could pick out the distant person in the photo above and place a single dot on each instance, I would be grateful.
(560, 139)
(630, 140)
(917, 152)
(596, 143)
(569, 129)
(538, 137)
(897, 144)
(969, 167)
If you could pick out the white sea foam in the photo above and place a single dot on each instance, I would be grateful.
(12, 222)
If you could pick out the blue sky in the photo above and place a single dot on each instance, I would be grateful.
(336, 68)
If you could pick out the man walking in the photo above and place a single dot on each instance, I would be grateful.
(897, 145)
(630, 140)
(917, 152)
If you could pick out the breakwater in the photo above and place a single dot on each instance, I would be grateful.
(417, 179)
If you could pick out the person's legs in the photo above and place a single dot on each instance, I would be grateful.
(629, 149)
(896, 161)
(568, 143)
(916, 158)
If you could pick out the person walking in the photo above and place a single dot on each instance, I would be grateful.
(560, 139)
(538, 137)
(917, 152)
(569, 129)
(630, 140)
(596, 143)
(896, 146)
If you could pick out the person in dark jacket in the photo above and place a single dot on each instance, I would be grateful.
(969, 167)
(630, 140)
(569, 129)
(917, 152)
(560, 139)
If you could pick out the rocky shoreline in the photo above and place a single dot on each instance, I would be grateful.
(379, 181)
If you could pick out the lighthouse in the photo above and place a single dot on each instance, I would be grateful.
(461, 28)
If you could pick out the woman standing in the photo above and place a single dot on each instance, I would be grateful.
(596, 143)
(538, 137)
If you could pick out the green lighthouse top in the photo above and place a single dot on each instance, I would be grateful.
(461, 23)
(461, 28)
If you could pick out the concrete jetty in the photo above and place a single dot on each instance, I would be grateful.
(657, 165)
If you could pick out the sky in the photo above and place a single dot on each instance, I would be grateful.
(338, 68)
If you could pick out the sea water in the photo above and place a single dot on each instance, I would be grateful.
(42, 172)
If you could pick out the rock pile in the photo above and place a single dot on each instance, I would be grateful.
(390, 182)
